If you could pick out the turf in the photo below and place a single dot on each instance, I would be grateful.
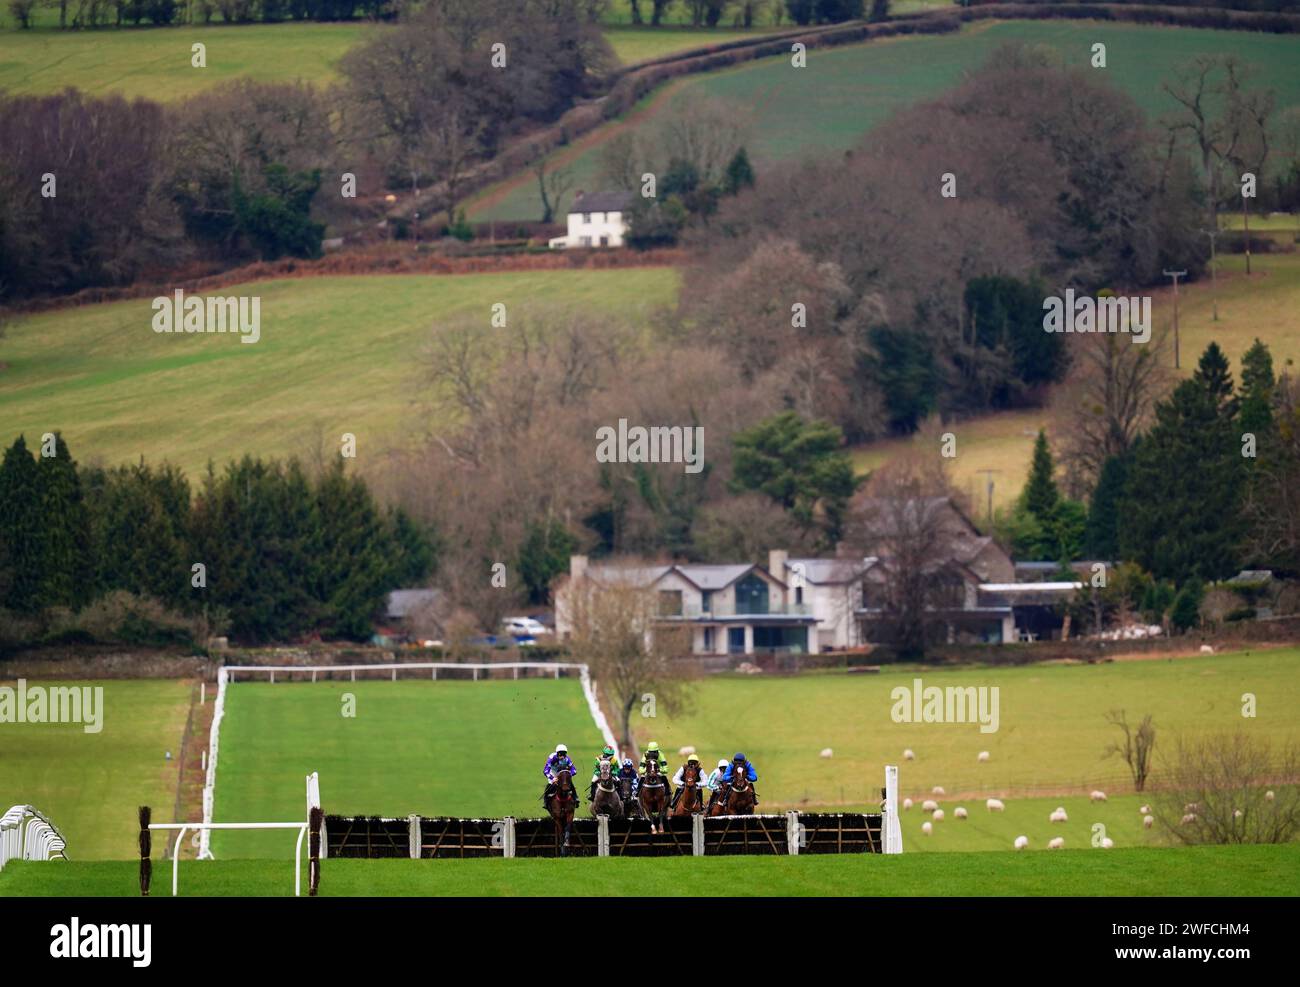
(1195, 871)
(336, 355)
(89, 785)
(437, 748)
(844, 92)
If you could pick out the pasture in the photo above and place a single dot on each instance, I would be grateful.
(844, 92)
(339, 354)
(1226, 871)
(89, 784)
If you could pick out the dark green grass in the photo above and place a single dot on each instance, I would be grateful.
(437, 748)
(1195, 871)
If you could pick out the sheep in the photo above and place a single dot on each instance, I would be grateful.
(982, 756)
(1056, 843)
(1021, 842)
(908, 755)
(994, 805)
(827, 752)
(1207, 649)
(1237, 814)
(1144, 810)
(1097, 796)
(959, 812)
(1107, 843)
(1192, 807)
(1188, 819)
(1148, 821)
(937, 815)
(929, 805)
(1058, 816)
(938, 790)
(907, 804)
(686, 751)
(1269, 796)
(926, 828)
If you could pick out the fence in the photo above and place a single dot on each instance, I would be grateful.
(25, 834)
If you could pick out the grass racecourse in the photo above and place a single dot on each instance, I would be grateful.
(1226, 871)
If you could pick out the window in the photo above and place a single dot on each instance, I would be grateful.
(584, 241)
(604, 241)
(751, 595)
(708, 640)
(670, 603)
(586, 219)
(706, 601)
(798, 595)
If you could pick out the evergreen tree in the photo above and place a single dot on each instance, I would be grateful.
(1257, 389)
(739, 174)
(67, 567)
(1186, 612)
(21, 528)
(543, 556)
(1101, 537)
(1181, 505)
(1041, 496)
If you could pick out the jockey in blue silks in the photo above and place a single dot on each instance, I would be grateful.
(740, 764)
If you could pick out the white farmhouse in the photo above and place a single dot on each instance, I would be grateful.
(596, 219)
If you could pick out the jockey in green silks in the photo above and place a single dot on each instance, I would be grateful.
(653, 753)
(607, 753)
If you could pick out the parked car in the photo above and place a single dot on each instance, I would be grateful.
(526, 626)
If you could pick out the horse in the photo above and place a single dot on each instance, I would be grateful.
(607, 801)
(740, 795)
(631, 808)
(690, 801)
(654, 797)
(561, 807)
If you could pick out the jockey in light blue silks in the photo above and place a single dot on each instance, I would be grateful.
(557, 762)
(740, 764)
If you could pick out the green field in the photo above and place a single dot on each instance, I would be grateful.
(155, 62)
(89, 785)
(1227, 871)
(336, 355)
(436, 748)
(844, 92)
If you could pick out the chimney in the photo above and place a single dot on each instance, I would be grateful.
(776, 562)
(577, 567)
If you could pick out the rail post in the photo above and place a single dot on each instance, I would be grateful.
(602, 835)
(413, 835)
(792, 833)
(697, 834)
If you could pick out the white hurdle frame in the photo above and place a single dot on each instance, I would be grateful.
(25, 834)
(183, 828)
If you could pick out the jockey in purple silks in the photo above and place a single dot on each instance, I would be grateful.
(557, 762)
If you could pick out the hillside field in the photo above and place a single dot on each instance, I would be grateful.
(844, 92)
(1226, 871)
(340, 354)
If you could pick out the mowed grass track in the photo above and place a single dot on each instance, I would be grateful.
(842, 93)
(155, 62)
(90, 784)
(1182, 872)
(435, 748)
(340, 354)
(1051, 734)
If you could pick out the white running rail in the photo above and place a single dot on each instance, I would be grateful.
(225, 676)
(25, 834)
(204, 826)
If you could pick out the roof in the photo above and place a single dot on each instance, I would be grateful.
(831, 570)
(706, 577)
(404, 602)
(616, 201)
(713, 576)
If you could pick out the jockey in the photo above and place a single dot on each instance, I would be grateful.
(679, 779)
(739, 764)
(714, 784)
(628, 770)
(652, 752)
(607, 754)
(557, 762)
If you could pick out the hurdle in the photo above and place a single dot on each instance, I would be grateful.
(25, 834)
(182, 828)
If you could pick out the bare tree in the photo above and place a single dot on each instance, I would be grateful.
(1137, 746)
(615, 634)
(552, 185)
(1229, 788)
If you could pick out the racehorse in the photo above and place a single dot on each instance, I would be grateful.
(654, 797)
(690, 801)
(562, 806)
(607, 801)
(631, 808)
(740, 795)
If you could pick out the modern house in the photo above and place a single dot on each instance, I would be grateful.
(595, 219)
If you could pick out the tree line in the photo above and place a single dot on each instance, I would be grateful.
(262, 550)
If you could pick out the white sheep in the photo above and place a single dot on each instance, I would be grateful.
(982, 756)
(937, 815)
(1144, 810)
(908, 755)
(1097, 796)
(827, 752)
(1188, 819)
(1148, 821)
(929, 805)
(1107, 843)
(1237, 814)
(1058, 816)
(938, 790)
(1192, 807)
(1207, 649)
(907, 804)
(686, 751)
(926, 828)
(1269, 796)
(1056, 843)
(994, 805)
(1022, 842)
(959, 812)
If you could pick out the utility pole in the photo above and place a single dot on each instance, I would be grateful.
(1176, 275)
(1245, 215)
(1214, 271)
(989, 485)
